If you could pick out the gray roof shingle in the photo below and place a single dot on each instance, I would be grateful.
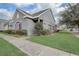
(33, 15)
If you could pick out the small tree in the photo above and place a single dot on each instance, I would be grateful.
(38, 28)
(70, 16)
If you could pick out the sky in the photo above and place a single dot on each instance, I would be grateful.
(8, 9)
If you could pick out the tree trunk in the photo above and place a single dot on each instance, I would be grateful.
(78, 27)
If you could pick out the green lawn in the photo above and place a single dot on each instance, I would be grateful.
(7, 49)
(62, 40)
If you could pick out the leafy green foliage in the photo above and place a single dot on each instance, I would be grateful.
(18, 32)
(40, 30)
(70, 15)
(21, 32)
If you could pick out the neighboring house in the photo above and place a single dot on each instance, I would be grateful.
(3, 24)
(24, 21)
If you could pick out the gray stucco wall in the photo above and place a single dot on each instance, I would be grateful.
(1, 26)
(26, 24)
(48, 20)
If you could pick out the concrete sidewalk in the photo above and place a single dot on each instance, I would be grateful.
(34, 49)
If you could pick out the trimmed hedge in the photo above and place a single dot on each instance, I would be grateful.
(9, 31)
(19, 32)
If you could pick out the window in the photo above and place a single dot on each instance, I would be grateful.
(17, 15)
(41, 20)
(10, 25)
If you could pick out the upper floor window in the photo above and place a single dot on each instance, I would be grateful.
(17, 15)
(10, 25)
(41, 20)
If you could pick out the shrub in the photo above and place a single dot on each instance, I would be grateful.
(57, 31)
(38, 28)
(45, 32)
(1, 30)
(21, 32)
(9, 31)
(71, 29)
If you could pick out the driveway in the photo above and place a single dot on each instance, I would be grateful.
(34, 49)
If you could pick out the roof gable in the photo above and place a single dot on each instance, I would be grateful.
(32, 15)
(23, 12)
(38, 13)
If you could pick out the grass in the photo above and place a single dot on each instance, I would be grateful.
(7, 49)
(62, 40)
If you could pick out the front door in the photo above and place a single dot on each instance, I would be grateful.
(18, 26)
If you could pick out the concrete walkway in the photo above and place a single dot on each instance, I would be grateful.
(34, 49)
(76, 34)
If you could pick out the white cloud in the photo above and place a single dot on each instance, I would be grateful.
(5, 14)
(23, 4)
(60, 9)
(20, 5)
(56, 10)
(38, 8)
(47, 5)
(54, 6)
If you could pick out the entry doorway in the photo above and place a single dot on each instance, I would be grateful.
(18, 26)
